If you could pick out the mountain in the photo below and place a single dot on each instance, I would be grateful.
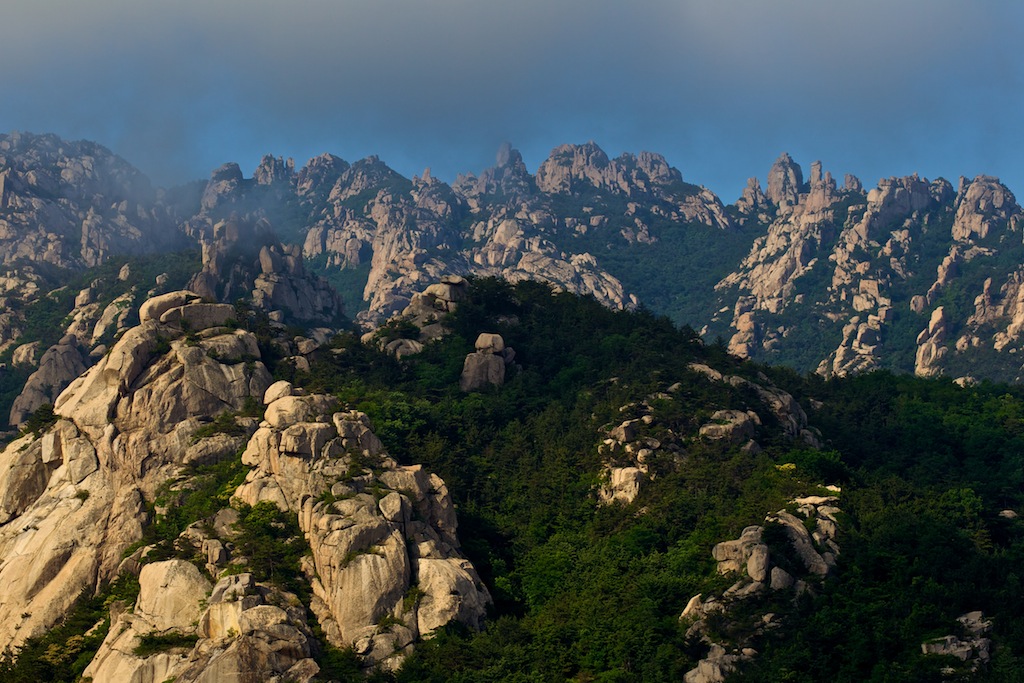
(618, 501)
(912, 275)
(514, 466)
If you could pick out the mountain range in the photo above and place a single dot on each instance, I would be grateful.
(912, 275)
(332, 424)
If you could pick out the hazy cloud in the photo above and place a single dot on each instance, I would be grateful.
(720, 87)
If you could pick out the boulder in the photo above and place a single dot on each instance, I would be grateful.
(399, 348)
(154, 308)
(623, 485)
(489, 343)
(801, 542)
(480, 370)
(278, 389)
(199, 316)
(731, 426)
(288, 410)
(170, 594)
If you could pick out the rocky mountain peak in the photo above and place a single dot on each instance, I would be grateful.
(73, 204)
(245, 259)
(571, 165)
(984, 205)
(274, 170)
(851, 183)
(572, 168)
(656, 168)
(785, 181)
(225, 181)
(508, 180)
(753, 200)
(507, 156)
(319, 175)
(362, 178)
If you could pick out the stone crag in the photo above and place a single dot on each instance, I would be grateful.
(76, 498)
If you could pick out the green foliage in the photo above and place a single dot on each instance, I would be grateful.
(200, 493)
(40, 420)
(271, 541)
(676, 274)
(61, 655)
(583, 591)
(349, 282)
(152, 643)
(591, 593)
(222, 424)
(397, 328)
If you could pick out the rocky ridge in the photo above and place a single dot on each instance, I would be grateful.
(632, 455)
(73, 204)
(122, 430)
(788, 557)
(838, 278)
(853, 268)
(77, 500)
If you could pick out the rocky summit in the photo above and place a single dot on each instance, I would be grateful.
(588, 423)
(822, 276)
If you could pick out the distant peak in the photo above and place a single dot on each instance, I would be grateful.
(508, 156)
(785, 180)
(228, 171)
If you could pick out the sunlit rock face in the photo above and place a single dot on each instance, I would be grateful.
(75, 500)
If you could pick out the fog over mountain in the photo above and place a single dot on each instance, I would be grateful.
(719, 88)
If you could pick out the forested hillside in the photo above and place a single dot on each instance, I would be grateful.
(589, 591)
(584, 592)
(546, 477)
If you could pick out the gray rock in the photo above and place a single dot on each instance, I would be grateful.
(481, 370)
(489, 343)
(731, 426)
(780, 579)
(59, 366)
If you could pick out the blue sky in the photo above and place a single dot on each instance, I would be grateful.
(720, 87)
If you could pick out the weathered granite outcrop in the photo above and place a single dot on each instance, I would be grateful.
(425, 312)
(837, 260)
(627, 454)
(122, 431)
(756, 566)
(629, 449)
(486, 366)
(571, 169)
(984, 206)
(385, 566)
(785, 181)
(970, 645)
(73, 204)
(242, 630)
(731, 426)
(379, 532)
(242, 258)
(62, 363)
(931, 347)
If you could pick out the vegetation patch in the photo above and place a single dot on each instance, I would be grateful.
(153, 643)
